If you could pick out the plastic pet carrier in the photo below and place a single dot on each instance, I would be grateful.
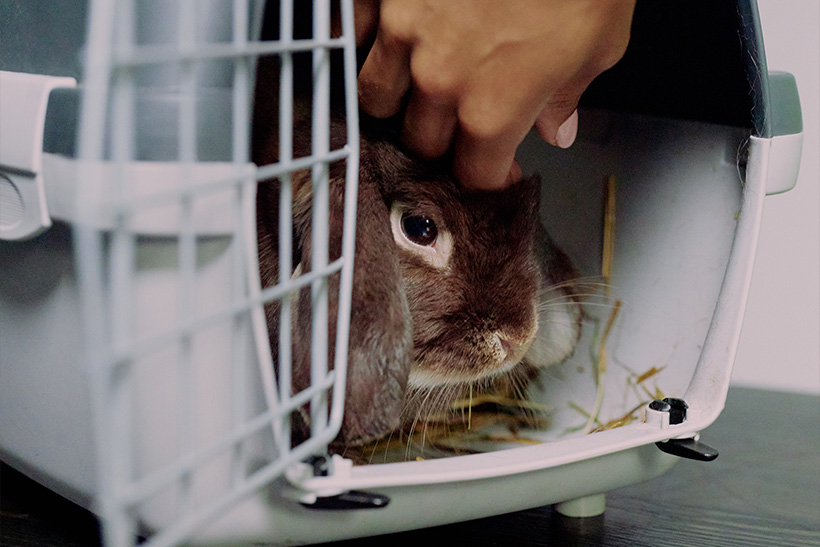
(136, 374)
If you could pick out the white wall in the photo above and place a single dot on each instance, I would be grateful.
(780, 345)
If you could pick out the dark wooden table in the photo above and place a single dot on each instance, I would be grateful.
(763, 490)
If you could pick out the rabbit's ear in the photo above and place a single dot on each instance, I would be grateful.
(381, 340)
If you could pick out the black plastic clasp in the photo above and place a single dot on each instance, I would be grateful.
(353, 499)
(689, 449)
(684, 448)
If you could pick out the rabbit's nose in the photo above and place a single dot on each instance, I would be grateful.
(503, 347)
(506, 346)
(510, 347)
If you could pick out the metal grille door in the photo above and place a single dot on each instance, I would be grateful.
(191, 413)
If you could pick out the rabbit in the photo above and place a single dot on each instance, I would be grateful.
(452, 288)
(492, 298)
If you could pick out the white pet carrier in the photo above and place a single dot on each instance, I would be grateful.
(135, 370)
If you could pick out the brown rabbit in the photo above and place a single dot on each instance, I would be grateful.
(490, 295)
(449, 287)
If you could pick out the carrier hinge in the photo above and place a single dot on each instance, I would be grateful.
(673, 412)
(326, 497)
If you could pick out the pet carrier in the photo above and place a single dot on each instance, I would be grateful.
(137, 376)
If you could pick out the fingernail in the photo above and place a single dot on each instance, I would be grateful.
(567, 132)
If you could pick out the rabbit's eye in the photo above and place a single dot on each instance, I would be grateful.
(419, 229)
(418, 235)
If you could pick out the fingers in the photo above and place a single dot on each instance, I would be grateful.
(366, 19)
(485, 156)
(497, 110)
(430, 119)
(428, 126)
(426, 77)
(482, 165)
(477, 79)
(385, 77)
(485, 141)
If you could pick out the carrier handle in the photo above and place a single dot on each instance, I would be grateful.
(674, 412)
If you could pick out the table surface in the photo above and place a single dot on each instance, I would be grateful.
(764, 489)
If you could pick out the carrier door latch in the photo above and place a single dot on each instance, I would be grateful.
(327, 497)
(688, 448)
(23, 104)
(352, 499)
(674, 411)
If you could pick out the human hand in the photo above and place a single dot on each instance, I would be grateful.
(477, 75)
